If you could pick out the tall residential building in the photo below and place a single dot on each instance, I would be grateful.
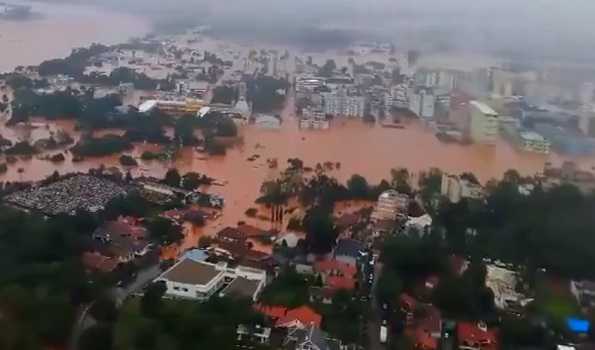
(339, 103)
(422, 102)
(397, 98)
(483, 123)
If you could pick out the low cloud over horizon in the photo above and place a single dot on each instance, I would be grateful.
(549, 28)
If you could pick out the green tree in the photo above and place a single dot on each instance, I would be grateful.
(184, 130)
(165, 231)
(358, 186)
(104, 309)
(321, 233)
(401, 180)
(172, 178)
(97, 337)
(152, 300)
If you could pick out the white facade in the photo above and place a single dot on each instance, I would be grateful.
(456, 188)
(484, 126)
(503, 283)
(422, 103)
(390, 203)
(341, 104)
(533, 142)
(199, 280)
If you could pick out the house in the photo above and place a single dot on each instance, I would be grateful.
(287, 318)
(254, 232)
(231, 235)
(407, 305)
(348, 251)
(503, 283)
(123, 239)
(427, 328)
(584, 292)
(95, 261)
(299, 317)
(321, 295)
(253, 334)
(419, 225)
(199, 280)
(309, 338)
(456, 188)
(471, 336)
(336, 275)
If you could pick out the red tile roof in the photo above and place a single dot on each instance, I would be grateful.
(335, 267)
(272, 311)
(303, 314)
(470, 334)
(340, 282)
(407, 302)
(424, 340)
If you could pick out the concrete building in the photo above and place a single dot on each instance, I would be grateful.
(313, 119)
(172, 108)
(584, 292)
(342, 104)
(503, 283)
(199, 280)
(456, 188)
(422, 102)
(265, 121)
(531, 141)
(390, 203)
(483, 123)
(398, 97)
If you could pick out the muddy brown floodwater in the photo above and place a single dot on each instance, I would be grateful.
(56, 29)
(361, 149)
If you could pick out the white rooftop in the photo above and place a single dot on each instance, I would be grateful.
(532, 136)
(483, 108)
(147, 106)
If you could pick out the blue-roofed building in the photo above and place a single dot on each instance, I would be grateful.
(197, 255)
(577, 325)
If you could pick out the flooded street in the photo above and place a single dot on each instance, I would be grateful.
(56, 29)
(371, 151)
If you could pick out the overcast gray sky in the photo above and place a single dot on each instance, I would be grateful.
(562, 28)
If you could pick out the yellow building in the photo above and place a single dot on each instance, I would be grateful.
(173, 107)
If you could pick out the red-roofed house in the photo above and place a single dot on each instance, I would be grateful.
(302, 317)
(271, 311)
(472, 336)
(336, 275)
(407, 304)
(427, 327)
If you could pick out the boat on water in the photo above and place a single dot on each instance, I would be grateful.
(14, 11)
